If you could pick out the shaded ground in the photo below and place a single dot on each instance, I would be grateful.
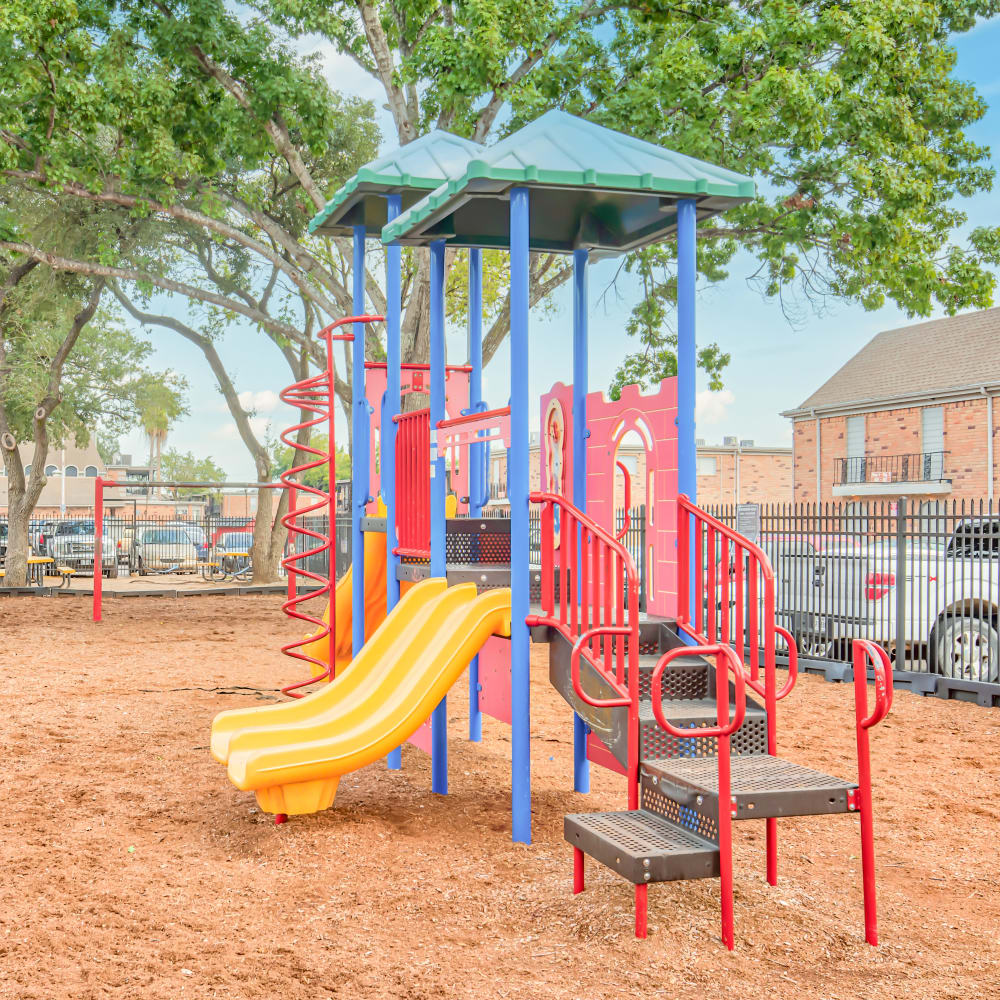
(132, 868)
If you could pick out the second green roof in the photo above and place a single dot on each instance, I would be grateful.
(411, 171)
(591, 187)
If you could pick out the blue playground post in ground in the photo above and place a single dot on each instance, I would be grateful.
(581, 766)
(387, 439)
(687, 274)
(476, 472)
(439, 567)
(359, 451)
(517, 489)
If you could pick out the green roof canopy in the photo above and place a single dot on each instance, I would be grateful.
(591, 187)
(412, 171)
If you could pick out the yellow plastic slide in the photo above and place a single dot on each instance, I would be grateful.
(292, 755)
(374, 605)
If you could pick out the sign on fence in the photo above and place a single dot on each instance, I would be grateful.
(748, 521)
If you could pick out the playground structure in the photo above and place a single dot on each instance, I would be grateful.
(659, 697)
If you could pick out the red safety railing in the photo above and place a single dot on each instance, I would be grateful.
(730, 582)
(597, 610)
(724, 728)
(865, 651)
(314, 395)
(413, 484)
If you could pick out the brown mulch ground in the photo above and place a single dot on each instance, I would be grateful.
(130, 867)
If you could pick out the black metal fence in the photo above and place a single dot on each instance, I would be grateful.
(920, 579)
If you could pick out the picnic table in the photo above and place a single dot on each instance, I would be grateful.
(36, 569)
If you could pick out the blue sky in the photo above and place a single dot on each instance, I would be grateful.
(774, 365)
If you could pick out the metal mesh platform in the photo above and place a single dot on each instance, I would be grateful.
(761, 785)
(642, 846)
(694, 714)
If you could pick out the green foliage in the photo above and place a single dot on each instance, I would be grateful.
(848, 114)
(184, 467)
(282, 456)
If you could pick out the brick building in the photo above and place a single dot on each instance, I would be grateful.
(733, 472)
(911, 414)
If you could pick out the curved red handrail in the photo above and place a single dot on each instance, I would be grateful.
(314, 395)
(733, 664)
(882, 668)
(624, 700)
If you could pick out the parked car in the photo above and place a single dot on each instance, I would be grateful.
(950, 605)
(164, 549)
(72, 545)
(196, 533)
(229, 529)
(234, 541)
(3, 540)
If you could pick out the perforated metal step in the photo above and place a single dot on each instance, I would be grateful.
(642, 846)
(761, 786)
(656, 743)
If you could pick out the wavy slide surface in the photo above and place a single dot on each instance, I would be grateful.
(293, 754)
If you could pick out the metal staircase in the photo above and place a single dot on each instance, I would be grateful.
(667, 701)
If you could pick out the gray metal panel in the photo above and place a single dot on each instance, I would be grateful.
(642, 846)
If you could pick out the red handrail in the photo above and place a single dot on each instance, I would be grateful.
(598, 596)
(882, 668)
(735, 606)
(475, 417)
(723, 729)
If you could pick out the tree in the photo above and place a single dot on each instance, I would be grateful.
(65, 367)
(184, 467)
(283, 458)
(846, 113)
(160, 404)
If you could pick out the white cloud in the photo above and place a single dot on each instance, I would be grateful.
(712, 407)
(264, 401)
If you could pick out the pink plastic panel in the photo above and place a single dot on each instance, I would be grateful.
(598, 753)
(421, 739)
(494, 679)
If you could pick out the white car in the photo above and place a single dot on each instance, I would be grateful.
(164, 550)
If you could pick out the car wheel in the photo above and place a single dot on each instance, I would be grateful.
(967, 648)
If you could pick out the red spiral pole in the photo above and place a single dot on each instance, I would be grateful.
(314, 395)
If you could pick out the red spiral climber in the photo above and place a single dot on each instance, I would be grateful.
(315, 395)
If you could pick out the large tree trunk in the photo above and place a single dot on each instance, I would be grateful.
(21, 500)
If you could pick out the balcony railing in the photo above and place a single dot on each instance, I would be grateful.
(921, 467)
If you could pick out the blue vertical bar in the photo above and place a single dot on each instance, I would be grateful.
(476, 472)
(439, 567)
(360, 449)
(387, 439)
(687, 272)
(581, 766)
(517, 479)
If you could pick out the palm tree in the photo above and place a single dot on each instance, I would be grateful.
(159, 406)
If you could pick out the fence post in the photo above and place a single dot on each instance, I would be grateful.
(900, 583)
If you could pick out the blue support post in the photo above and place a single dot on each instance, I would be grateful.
(439, 567)
(581, 766)
(517, 478)
(476, 471)
(387, 437)
(687, 272)
(359, 450)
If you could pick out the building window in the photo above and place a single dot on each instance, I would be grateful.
(90, 472)
(932, 439)
(71, 471)
(51, 470)
(707, 465)
(855, 471)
